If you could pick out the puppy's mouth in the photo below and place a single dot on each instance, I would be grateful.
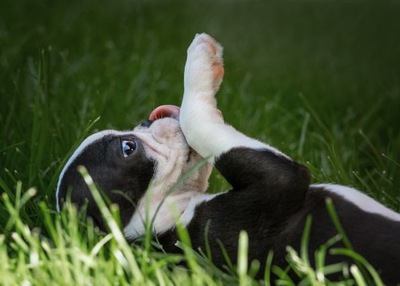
(163, 111)
(171, 111)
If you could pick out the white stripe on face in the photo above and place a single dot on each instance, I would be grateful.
(88, 141)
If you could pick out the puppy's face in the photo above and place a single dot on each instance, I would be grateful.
(127, 166)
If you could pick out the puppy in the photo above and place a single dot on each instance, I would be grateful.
(271, 194)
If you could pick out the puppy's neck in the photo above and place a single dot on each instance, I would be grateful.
(164, 211)
(166, 201)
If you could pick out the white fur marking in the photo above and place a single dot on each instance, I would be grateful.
(85, 143)
(166, 217)
(179, 207)
(188, 214)
(360, 199)
(224, 137)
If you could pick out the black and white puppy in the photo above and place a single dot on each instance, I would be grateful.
(271, 194)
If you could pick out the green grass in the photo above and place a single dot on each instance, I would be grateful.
(320, 80)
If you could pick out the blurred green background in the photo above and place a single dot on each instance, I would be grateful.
(318, 79)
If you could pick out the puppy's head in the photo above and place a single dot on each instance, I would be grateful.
(128, 165)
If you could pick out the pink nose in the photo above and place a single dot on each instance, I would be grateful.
(165, 111)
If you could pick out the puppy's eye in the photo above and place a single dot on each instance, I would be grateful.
(128, 147)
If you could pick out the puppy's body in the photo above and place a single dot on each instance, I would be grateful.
(271, 194)
(273, 212)
(274, 221)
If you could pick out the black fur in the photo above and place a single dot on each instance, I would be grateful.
(122, 180)
(271, 199)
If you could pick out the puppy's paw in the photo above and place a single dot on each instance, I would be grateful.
(204, 68)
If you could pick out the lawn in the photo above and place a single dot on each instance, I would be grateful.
(319, 80)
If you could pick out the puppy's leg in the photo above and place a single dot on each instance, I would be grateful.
(201, 121)
(245, 162)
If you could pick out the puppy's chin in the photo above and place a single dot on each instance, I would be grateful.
(166, 145)
(163, 140)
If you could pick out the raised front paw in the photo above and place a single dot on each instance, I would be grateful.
(204, 68)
